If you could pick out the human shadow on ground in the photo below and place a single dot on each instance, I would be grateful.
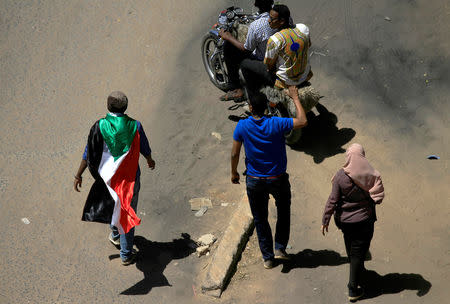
(376, 285)
(309, 258)
(234, 107)
(373, 283)
(321, 138)
(153, 257)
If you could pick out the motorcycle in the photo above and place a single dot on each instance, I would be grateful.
(235, 21)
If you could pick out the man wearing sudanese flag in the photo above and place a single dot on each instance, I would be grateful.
(112, 156)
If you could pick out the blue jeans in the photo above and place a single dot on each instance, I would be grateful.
(258, 191)
(127, 239)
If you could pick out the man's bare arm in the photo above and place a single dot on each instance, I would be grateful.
(78, 177)
(230, 38)
(235, 152)
(300, 120)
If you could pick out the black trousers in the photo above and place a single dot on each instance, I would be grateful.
(233, 58)
(256, 75)
(357, 237)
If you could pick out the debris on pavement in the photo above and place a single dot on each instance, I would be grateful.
(204, 243)
(201, 211)
(432, 156)
(206, 239)
(318, 53)
(25, 221)
(217, 135)
(199, 202)
(202, 250)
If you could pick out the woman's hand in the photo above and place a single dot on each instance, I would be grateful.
(324, 228)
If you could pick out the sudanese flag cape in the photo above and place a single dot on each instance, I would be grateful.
(112, 158)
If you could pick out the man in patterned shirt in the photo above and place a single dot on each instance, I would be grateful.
(286, 60)
(253, 49)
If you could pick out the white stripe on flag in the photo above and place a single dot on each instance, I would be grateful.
(107, 169)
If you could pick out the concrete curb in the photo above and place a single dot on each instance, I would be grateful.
(229, 250)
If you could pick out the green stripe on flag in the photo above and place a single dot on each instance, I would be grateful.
(118, 133)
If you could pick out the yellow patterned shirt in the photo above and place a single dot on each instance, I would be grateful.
(288, 50)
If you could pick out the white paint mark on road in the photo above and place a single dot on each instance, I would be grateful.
(217, 135)
(201, 211)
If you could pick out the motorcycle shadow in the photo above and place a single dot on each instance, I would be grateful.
(321, 138)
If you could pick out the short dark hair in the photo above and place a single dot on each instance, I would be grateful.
(117, 102)
(283, 13)
(264, 5)
(258, 101)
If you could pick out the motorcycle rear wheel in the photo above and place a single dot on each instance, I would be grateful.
(292, 136)
(213, 62)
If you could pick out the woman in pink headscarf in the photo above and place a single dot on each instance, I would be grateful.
(356, 188)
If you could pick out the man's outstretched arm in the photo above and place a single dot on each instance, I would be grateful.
(235, 152)
(300, 120)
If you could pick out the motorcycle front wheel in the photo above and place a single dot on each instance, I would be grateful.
(213, 61)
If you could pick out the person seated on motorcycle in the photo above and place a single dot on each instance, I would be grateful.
(253, 49)
(286, 59)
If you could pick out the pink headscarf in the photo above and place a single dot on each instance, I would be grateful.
(361, 172)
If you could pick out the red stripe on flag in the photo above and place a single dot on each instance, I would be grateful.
(123, 184)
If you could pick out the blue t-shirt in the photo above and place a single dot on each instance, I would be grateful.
(265, 147)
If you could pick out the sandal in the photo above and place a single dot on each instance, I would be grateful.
(232, 96)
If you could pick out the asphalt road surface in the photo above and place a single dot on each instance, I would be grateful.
(382, 67)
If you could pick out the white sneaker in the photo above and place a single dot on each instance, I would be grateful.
(115, 242)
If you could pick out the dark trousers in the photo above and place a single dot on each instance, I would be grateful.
(357, 237)
(258, 191)
(256, 75)
(233, 58)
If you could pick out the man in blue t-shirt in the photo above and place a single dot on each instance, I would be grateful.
(265, 151)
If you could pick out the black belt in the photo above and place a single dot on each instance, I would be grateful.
(266, 177)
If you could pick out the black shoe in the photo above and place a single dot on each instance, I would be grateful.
(281, 254)
(130, 260)
(355, 294)
(268, 264)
